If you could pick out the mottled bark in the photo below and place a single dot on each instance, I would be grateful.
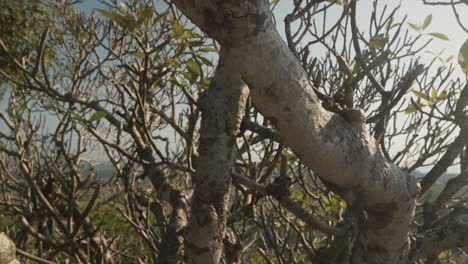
(222, 106)
(336, 146)
(173, 240)
(7, 250)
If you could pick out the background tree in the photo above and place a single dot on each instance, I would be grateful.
(130, 146)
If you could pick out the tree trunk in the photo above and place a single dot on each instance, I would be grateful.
(337, 147)
(222, 106)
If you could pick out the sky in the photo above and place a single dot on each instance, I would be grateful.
(443, 20)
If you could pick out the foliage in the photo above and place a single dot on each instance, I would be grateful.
(463, 57)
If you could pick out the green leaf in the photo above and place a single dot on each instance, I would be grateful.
(111, 15)
(442, 96)
(194, 43)
(205, 83)
(290, 156)
(177, 29)
(160, 17)
(427, 21)
(205, 60)
(125, 21)
(338, 2)
(210, 49)
(98, 115)
(173, 62)
(187, 35)
(175, 79)
(433, 93)
(421, 95)
(155, 85)
(449, 58)
(439, 35)
(189, 76)
(378, 41)
(443, 255)
(413, 108)
(414, 26)
(138, 54)
(410, 110)
(144, 13)
(193, 67)
(389, 23)
(463, 57)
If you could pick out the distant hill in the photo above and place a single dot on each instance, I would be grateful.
(438, 185)
(105, 170)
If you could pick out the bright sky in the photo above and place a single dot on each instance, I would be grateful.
(443, 20)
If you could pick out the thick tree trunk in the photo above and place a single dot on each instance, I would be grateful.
(223, 106)
(337, 147)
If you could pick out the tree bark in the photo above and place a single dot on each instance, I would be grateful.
(7, 250)
(337, 147)
(222, 106)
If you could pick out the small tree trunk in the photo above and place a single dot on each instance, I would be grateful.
(222, 106)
